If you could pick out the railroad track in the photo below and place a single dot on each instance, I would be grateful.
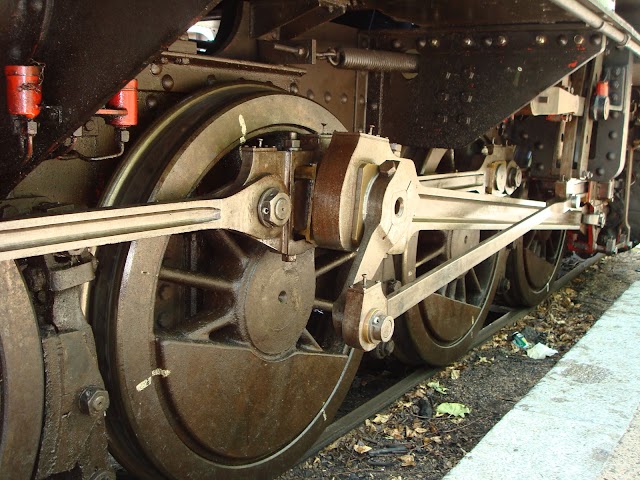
(357, 416)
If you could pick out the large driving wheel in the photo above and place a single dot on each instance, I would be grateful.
(442, 327)
(534, 259)
(215, 361)
(21, 376)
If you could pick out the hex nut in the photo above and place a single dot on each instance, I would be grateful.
(388, 168)
(274, 208)
(93, 401)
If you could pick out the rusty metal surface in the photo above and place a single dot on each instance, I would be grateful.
(21, 376)
(468, 81)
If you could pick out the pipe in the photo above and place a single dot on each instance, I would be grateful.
(623, 36)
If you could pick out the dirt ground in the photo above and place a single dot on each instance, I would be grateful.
(410, 440)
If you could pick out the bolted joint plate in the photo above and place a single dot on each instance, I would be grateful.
(365, 323)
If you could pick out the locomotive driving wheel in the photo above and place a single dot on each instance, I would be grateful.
(534, 259)
(21, 376)
(216, 365)
(442, 327)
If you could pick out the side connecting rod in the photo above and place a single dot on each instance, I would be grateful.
(57, 233)
(413, 293)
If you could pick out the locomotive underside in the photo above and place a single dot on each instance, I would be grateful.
(211, 209)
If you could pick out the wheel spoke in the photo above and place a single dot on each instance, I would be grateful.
(431, 256)
(475, 280)
(308, 343)
(193, 279)
(321, 304)
(335, 263)
(201, 326)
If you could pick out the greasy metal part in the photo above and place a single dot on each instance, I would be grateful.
(22, 375)
(461, 91)
(146, 437)
(613, 26)
(373, 60)
(73, 435)
(37, 236)
(80, 44)
(609, 154)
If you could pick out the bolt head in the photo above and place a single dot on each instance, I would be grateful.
(94, 401)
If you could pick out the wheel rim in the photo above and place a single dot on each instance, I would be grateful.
(442, 327)
(21, 375)
(163, 372)
(534, 258)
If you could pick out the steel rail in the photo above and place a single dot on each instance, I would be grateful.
(356, 417)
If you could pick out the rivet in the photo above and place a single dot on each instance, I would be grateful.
(375, 106)
(397, 44)
(293, 88)
(327, 97)
(600, 171)
(311, 95)
(152, 101)
(434, 42)
(563, 40)
(615, 98)
(488, 41)
(539, 146)
(539, 166)
(613, 135)
(467, 41)
(421, 42)
(211, 79)
(611, 156)
(344, 98)
(615, 115)
(541, 39)
(596, 40)
(155, 69)
(361, 100)
(502, 40)
(167, 82)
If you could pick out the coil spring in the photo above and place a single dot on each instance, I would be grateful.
(375, 60)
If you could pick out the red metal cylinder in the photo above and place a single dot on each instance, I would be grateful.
(126, 99)
(602, 89)
(24, 90)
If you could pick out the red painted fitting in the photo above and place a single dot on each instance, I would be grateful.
(24, 90)
(127, 101)
(602, 89)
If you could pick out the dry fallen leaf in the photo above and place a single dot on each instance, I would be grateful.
(381, 418)
(455, 374)
(408, 460)
(361, 448)
(420, 430)
(334, 445)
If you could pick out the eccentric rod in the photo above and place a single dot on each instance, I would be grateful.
(622, 33)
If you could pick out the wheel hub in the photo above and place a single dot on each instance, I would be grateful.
(277, 301)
